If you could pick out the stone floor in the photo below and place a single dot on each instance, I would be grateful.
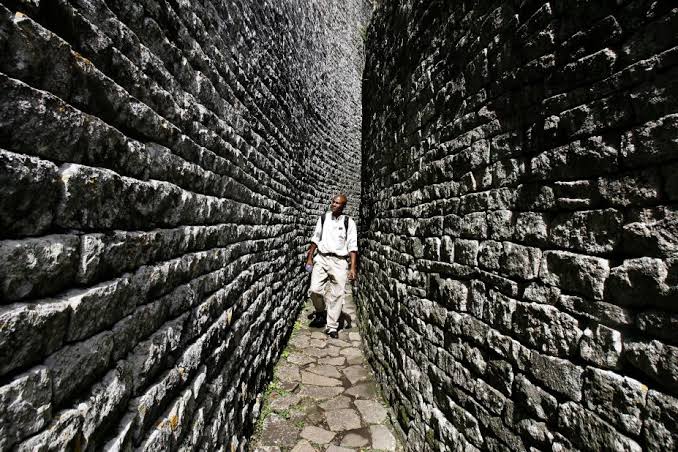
(323, 396)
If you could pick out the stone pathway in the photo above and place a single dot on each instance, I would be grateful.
(323, 396)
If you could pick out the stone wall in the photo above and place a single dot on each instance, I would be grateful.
(520, 203)
(162, 163)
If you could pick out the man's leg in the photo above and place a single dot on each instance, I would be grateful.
(317, 290)
(334, 299)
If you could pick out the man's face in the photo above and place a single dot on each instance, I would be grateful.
(337, 206)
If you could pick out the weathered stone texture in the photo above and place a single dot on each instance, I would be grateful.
(162, 165)
(520, 270)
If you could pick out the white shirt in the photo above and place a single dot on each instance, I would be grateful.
(335, 239)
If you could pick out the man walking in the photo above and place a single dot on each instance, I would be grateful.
(335, 239)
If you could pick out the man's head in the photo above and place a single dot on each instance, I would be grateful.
(338, 204)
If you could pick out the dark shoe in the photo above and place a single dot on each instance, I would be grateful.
(319, 321)
(333, 334)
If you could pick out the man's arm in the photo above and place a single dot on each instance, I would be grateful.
(352, 245)
(309, 255)
(314, 239)
(353, 270)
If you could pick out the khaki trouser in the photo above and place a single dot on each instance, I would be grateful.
(328, 286)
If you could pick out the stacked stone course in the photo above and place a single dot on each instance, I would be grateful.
(520, 217)
(162, 164)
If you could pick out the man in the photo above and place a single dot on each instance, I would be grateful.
(335, 239)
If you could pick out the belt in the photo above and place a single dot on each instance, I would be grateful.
(333, 255)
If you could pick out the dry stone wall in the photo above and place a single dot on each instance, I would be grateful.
(520, 209)
(162, 163)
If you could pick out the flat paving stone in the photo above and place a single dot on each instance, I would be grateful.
(371, 411)
(299, 341)
(283, 403)
(354, 336)
(339, 343)
(340, 420)
(309, 378)
(332, 350)
(356, 374)
(320, 392)
(353, 355)
(316, 352)
(317, 435)
(363, 391)
(334, 448)
(277, 431)
(320, 343)
(300, 359)
(325, 371)
(304, 446)
(289, 386)
(288, 372)
(329, 361)
(355, 439)
(336, 403)
(318, 335)
(382, 438)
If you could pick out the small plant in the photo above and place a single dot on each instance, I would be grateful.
(362, 32)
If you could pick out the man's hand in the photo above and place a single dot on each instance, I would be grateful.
(352, 274)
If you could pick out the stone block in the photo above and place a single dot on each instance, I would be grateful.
(29, 332)
(545, 328)
(590, 232)
(105, 403)
(474, 225)
(518, 261)
(466, 252)
(499, 374)
(64, 433)
(656, 237)
(499, 312)
(75, 367)
(30, 194)
(651, 143)
(99, 307)
(586, 429)
(579, 159)
(450, 293)
(25, 406)
(38, 267)
(557, 375)
(635, 189)
(656, 360)
(620, 400)
(601, 346)
(661, 416)
(641, 282)
(538, 293)
(658, 324)
(490, 254)
(534, 400)
(531, 228)
(599, 311)
(500, 224)
(575, 273)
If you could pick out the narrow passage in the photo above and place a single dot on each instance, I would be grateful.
(323, 396)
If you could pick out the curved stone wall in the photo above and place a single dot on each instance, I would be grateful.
(162, 164)
(520, 209)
